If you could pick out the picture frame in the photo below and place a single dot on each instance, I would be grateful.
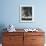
(26, 13)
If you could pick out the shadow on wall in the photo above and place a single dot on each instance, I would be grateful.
(2, 26)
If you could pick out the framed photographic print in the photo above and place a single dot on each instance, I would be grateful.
(26, 13)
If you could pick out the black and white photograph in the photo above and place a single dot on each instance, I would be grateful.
(26, 13)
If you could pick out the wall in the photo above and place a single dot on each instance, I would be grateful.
(10, 13)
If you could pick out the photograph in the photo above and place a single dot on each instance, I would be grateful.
(26, 13)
